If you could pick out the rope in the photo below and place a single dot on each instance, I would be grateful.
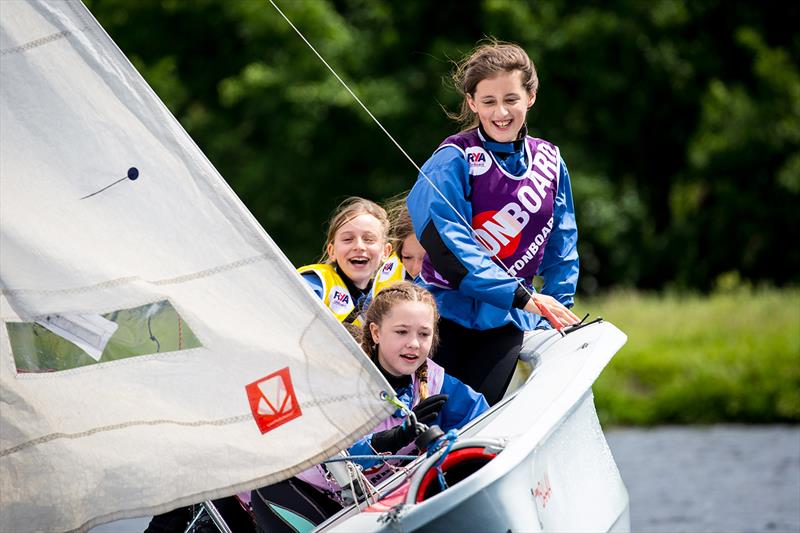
(334, 488)
(372, 495)
(376, 457)
(393, 468)
(449, 439)
(353, 492)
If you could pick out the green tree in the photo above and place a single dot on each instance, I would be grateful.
(678, 120)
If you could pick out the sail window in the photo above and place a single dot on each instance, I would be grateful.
(61, 342)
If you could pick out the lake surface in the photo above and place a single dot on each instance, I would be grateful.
(717, 478)
(694, 479)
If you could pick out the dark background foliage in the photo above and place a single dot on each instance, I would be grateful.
(679, 120)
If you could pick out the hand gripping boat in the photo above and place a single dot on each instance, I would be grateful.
(538, 461)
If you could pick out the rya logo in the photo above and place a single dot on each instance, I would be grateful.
(339, 300)
(478, 160)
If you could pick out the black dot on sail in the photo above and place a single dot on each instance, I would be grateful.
(133, 173)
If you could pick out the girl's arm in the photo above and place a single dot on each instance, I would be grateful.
(363, 446)
(463, 404)
(560, 264)
(448, 239)
(387, 441)
(314, 282)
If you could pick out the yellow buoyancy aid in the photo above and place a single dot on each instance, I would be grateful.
(334, 292)
(390, 272)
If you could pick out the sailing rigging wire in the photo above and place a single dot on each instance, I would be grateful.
(557, 324)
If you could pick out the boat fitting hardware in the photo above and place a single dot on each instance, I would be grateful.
(569, 329)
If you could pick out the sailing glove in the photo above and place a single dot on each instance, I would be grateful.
(393, 439)
(428, 409)
(400, 436)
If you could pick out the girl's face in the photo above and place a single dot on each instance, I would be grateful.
(359, 248)
(501, 103)
(412, 255)
(404, 337)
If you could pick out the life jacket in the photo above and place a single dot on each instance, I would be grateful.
(390, 272)
(335, 295)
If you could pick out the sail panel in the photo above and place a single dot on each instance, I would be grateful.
(272, 384)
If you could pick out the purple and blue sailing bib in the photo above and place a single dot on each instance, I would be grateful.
(512, 216)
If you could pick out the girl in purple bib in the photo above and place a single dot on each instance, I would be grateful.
(493, 208)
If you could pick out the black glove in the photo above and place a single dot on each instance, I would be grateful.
(428, 409)
(400, 436)
(393, 439)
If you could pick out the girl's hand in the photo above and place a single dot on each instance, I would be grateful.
(428, 409)
(550, 308)
(393, 439)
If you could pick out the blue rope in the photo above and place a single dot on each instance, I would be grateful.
(449, 439)
(371, 458)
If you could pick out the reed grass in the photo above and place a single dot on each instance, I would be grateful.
(733, 356)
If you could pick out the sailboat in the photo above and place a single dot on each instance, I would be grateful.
(158, 349)
(537, 461)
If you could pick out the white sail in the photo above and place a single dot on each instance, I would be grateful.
(221, 371)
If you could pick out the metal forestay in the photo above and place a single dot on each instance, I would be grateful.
(545, 312)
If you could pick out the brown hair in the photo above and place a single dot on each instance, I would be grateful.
(346, 211)
(356, 332)
(402, 291)
(400, 225)
(486, 61)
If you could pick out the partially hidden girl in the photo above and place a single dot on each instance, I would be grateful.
(399, 334)
(493, 208)
(405, 262)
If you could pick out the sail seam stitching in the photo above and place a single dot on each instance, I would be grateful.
(122, 281)
(93, 431)
(39, 42)
(222, 422)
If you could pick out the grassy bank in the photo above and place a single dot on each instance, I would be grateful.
(730, 357)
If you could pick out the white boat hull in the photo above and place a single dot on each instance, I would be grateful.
(555, 471)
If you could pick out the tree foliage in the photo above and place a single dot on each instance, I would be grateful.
(679, 120)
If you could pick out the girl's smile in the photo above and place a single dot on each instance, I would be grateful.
(501, 103)
(359, 249)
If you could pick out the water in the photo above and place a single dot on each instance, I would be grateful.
(718, 478)
(689, 479)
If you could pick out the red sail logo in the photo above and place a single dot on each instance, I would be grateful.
(272, 400)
